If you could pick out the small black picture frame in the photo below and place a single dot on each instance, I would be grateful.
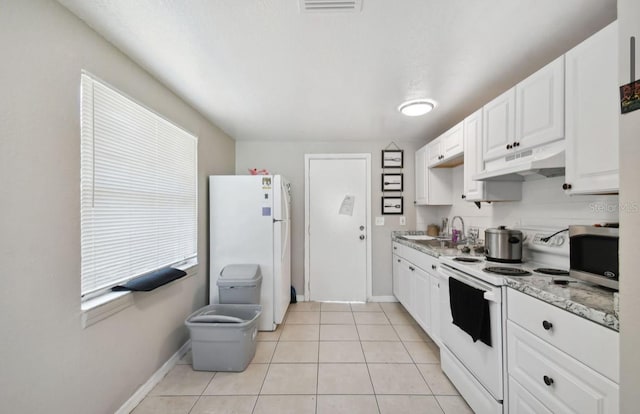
(392, 205)
(392, 158)
(392, 182)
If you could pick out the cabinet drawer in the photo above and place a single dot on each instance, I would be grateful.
(422, 260)
(398, 249)
(588, 342)
(559, 382)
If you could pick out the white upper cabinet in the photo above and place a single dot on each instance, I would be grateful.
(447, 150)
(482, 190)
(433, 186)
(592, 107)
(434, 152)
(421, 176)
(526, 116)
(540, 107)
(499, 129)
(473, 190)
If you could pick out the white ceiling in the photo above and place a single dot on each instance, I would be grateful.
(262, 70)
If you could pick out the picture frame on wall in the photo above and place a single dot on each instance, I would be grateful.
(392, 158)
(392, 205)
(393, 182)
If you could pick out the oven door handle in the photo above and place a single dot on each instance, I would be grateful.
(490, 293)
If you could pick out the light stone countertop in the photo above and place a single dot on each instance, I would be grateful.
(590, 302)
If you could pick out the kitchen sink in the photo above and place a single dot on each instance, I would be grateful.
(437, 243)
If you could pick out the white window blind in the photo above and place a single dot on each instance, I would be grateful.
(138, 189)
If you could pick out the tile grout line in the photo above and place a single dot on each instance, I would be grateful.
(375, 394)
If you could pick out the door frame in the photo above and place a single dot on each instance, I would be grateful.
(307, 269)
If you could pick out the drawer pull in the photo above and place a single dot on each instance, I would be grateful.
(547, 325)
(412, 268)
(433, 267)
(547, 380)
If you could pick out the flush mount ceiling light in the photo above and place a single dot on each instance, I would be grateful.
(417, 107)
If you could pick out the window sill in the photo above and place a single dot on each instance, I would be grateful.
(101, 307)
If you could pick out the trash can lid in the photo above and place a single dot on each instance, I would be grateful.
(241, 273)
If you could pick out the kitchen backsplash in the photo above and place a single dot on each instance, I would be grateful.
(543, 204)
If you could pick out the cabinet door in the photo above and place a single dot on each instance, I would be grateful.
(498, 121)
(421, 176)
(555, 379)
(434, 152)
(422, 298)
(473, 164)
(452, 142)
(592, 104)
(540, 107)
(435, 309)
(521, 402)
(404, 284)
(396, 275)
(473, 190)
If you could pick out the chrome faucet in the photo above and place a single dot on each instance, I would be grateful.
(463, 236)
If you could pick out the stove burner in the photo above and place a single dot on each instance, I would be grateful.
(466, 259)
(507, 271)
(553, 272)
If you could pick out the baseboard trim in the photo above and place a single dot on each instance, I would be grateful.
(157, 376)
(390, 298)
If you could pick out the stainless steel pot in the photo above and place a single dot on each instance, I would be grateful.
(503, 245)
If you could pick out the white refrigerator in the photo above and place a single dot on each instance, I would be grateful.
(249, 223)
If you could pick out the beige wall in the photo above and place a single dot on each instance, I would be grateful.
(287, 158)
(628, 13)
(49, 364)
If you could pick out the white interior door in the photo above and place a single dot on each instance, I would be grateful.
(337, 242)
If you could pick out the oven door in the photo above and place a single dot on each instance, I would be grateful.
(483, 362)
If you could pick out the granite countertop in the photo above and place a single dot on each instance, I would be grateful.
(590, 302)
(396, 236)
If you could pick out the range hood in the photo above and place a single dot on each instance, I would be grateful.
(516, 167)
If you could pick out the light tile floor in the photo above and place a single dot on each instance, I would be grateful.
(327, 358)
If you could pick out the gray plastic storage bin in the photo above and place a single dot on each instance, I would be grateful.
(240, 283)
(223, 337)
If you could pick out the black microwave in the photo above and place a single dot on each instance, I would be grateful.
(594, 255)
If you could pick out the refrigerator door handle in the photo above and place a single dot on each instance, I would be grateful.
(285, 198)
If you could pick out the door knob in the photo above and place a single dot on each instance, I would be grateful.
(362, 237)
(361, 227)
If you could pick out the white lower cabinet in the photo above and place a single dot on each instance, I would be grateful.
(522, 402)
(557, 367)
(416, 285)
(396, 271)
(421, 301)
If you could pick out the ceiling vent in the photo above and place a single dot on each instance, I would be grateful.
(314, 6)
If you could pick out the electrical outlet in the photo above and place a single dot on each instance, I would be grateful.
(403, 221)
(379, 221)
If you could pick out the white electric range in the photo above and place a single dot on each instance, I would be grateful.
(475, 368)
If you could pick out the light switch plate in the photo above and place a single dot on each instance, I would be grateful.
(403, 221)
(379, 221)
